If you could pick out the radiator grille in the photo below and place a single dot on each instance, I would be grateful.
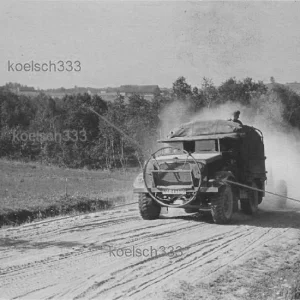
(173, 178)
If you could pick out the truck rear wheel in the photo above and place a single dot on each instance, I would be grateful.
(149, 209)
(281, 189)
(250, 205)
(259, 185)
(222, 205)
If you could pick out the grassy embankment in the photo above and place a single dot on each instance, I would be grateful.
(33, 191)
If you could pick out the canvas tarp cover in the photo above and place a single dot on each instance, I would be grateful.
(210, 127)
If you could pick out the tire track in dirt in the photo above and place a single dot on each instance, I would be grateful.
(208, 252)
(210, 249)
(220, 249)
(54, 259)
(70, 258)
(50, 260)
(249, 248)
(149, 260)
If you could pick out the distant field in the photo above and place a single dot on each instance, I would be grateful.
(33, 186)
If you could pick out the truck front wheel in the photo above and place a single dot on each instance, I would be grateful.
(149, 209)
(222, 205)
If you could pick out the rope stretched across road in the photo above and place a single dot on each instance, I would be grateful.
(138, 145)
(115, 206)
(258, 190)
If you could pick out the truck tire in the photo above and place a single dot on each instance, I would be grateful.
(222, 205)
(149, 209)
(250, 205)
(259, 185)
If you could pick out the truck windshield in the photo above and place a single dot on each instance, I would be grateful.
(176, 147)
(190, 146)
(206, 145)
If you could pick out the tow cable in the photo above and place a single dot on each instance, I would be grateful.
(258, 190)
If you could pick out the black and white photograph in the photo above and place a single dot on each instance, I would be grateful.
(149, 150)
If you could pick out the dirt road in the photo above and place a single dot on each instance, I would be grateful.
(83, 257)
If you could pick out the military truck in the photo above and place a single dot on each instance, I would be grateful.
(197, 167)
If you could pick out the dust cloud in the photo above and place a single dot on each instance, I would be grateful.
(281, 142)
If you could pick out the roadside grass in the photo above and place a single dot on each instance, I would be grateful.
(260, 278)
(283, 283)
(295, 290)
(32, 190)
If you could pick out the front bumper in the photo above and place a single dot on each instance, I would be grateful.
(211, 189)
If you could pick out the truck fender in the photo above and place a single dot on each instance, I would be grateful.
(139, 184)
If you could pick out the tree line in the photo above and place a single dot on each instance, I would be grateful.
(29, 127)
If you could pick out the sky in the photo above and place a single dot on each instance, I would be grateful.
(143, 42)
